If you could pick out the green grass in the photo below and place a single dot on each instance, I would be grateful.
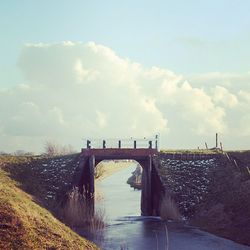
(26, 225)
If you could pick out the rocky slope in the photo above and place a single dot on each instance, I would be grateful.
(213, 193)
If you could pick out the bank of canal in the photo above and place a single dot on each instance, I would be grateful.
(126, 229)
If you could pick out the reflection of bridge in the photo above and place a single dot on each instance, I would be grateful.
(142, 151)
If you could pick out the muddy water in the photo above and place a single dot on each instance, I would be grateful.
(126, 229)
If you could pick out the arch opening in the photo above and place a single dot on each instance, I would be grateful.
(151, 189)
(113, 195)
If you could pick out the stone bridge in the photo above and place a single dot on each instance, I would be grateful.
(90, 157)
(187, 178)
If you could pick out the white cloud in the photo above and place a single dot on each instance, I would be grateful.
(223, 96)
(84, 75)
(244, 128)
(75, 90)
(245, 96)
(101, 119)
(197, 109)
(51, 103)
(231, 81)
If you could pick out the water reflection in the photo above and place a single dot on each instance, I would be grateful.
(119, 199)
(126, 229)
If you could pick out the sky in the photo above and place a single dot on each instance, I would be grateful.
(109, 69)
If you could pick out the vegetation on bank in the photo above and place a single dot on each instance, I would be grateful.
(169, 209)
(190, 151)
(26, 225)
(106, 168)
(224, 209)
(33, 180)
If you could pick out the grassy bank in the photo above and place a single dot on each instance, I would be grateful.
(26, 225)
(190, 151)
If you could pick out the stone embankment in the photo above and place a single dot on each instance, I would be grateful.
(47, 179)
(24, 222)
(186, 177)
(211, 191)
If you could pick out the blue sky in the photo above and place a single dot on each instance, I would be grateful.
(183, 66)
(187, 37)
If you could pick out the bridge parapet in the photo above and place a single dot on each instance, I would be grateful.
(126, 143)
(119, 153)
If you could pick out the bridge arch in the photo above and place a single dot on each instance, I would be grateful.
(150, 195)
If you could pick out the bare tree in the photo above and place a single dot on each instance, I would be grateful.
(53, 149)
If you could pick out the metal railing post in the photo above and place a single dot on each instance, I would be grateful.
(88, 144)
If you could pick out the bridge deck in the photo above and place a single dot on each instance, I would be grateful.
(119, 153)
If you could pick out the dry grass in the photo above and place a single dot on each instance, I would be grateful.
(76, 213)
(11, 159)
(124, 246)
(26, 225)
(108, 168)
(99, 170)
(190, 151)
(166, 237)
(169, 209)
(97, 222)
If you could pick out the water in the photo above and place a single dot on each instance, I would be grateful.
(126, 229)
(120, 199)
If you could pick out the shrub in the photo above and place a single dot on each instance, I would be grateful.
(52, 149)
(169, 209)
(99, 170)
(76, 213)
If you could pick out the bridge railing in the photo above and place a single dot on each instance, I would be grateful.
(121, 143)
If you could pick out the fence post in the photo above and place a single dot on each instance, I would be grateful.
(221, 147)
(134, 144)
(119, 144)
(104, 144)
(88, 144)
(156, 142)
(150, 144)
